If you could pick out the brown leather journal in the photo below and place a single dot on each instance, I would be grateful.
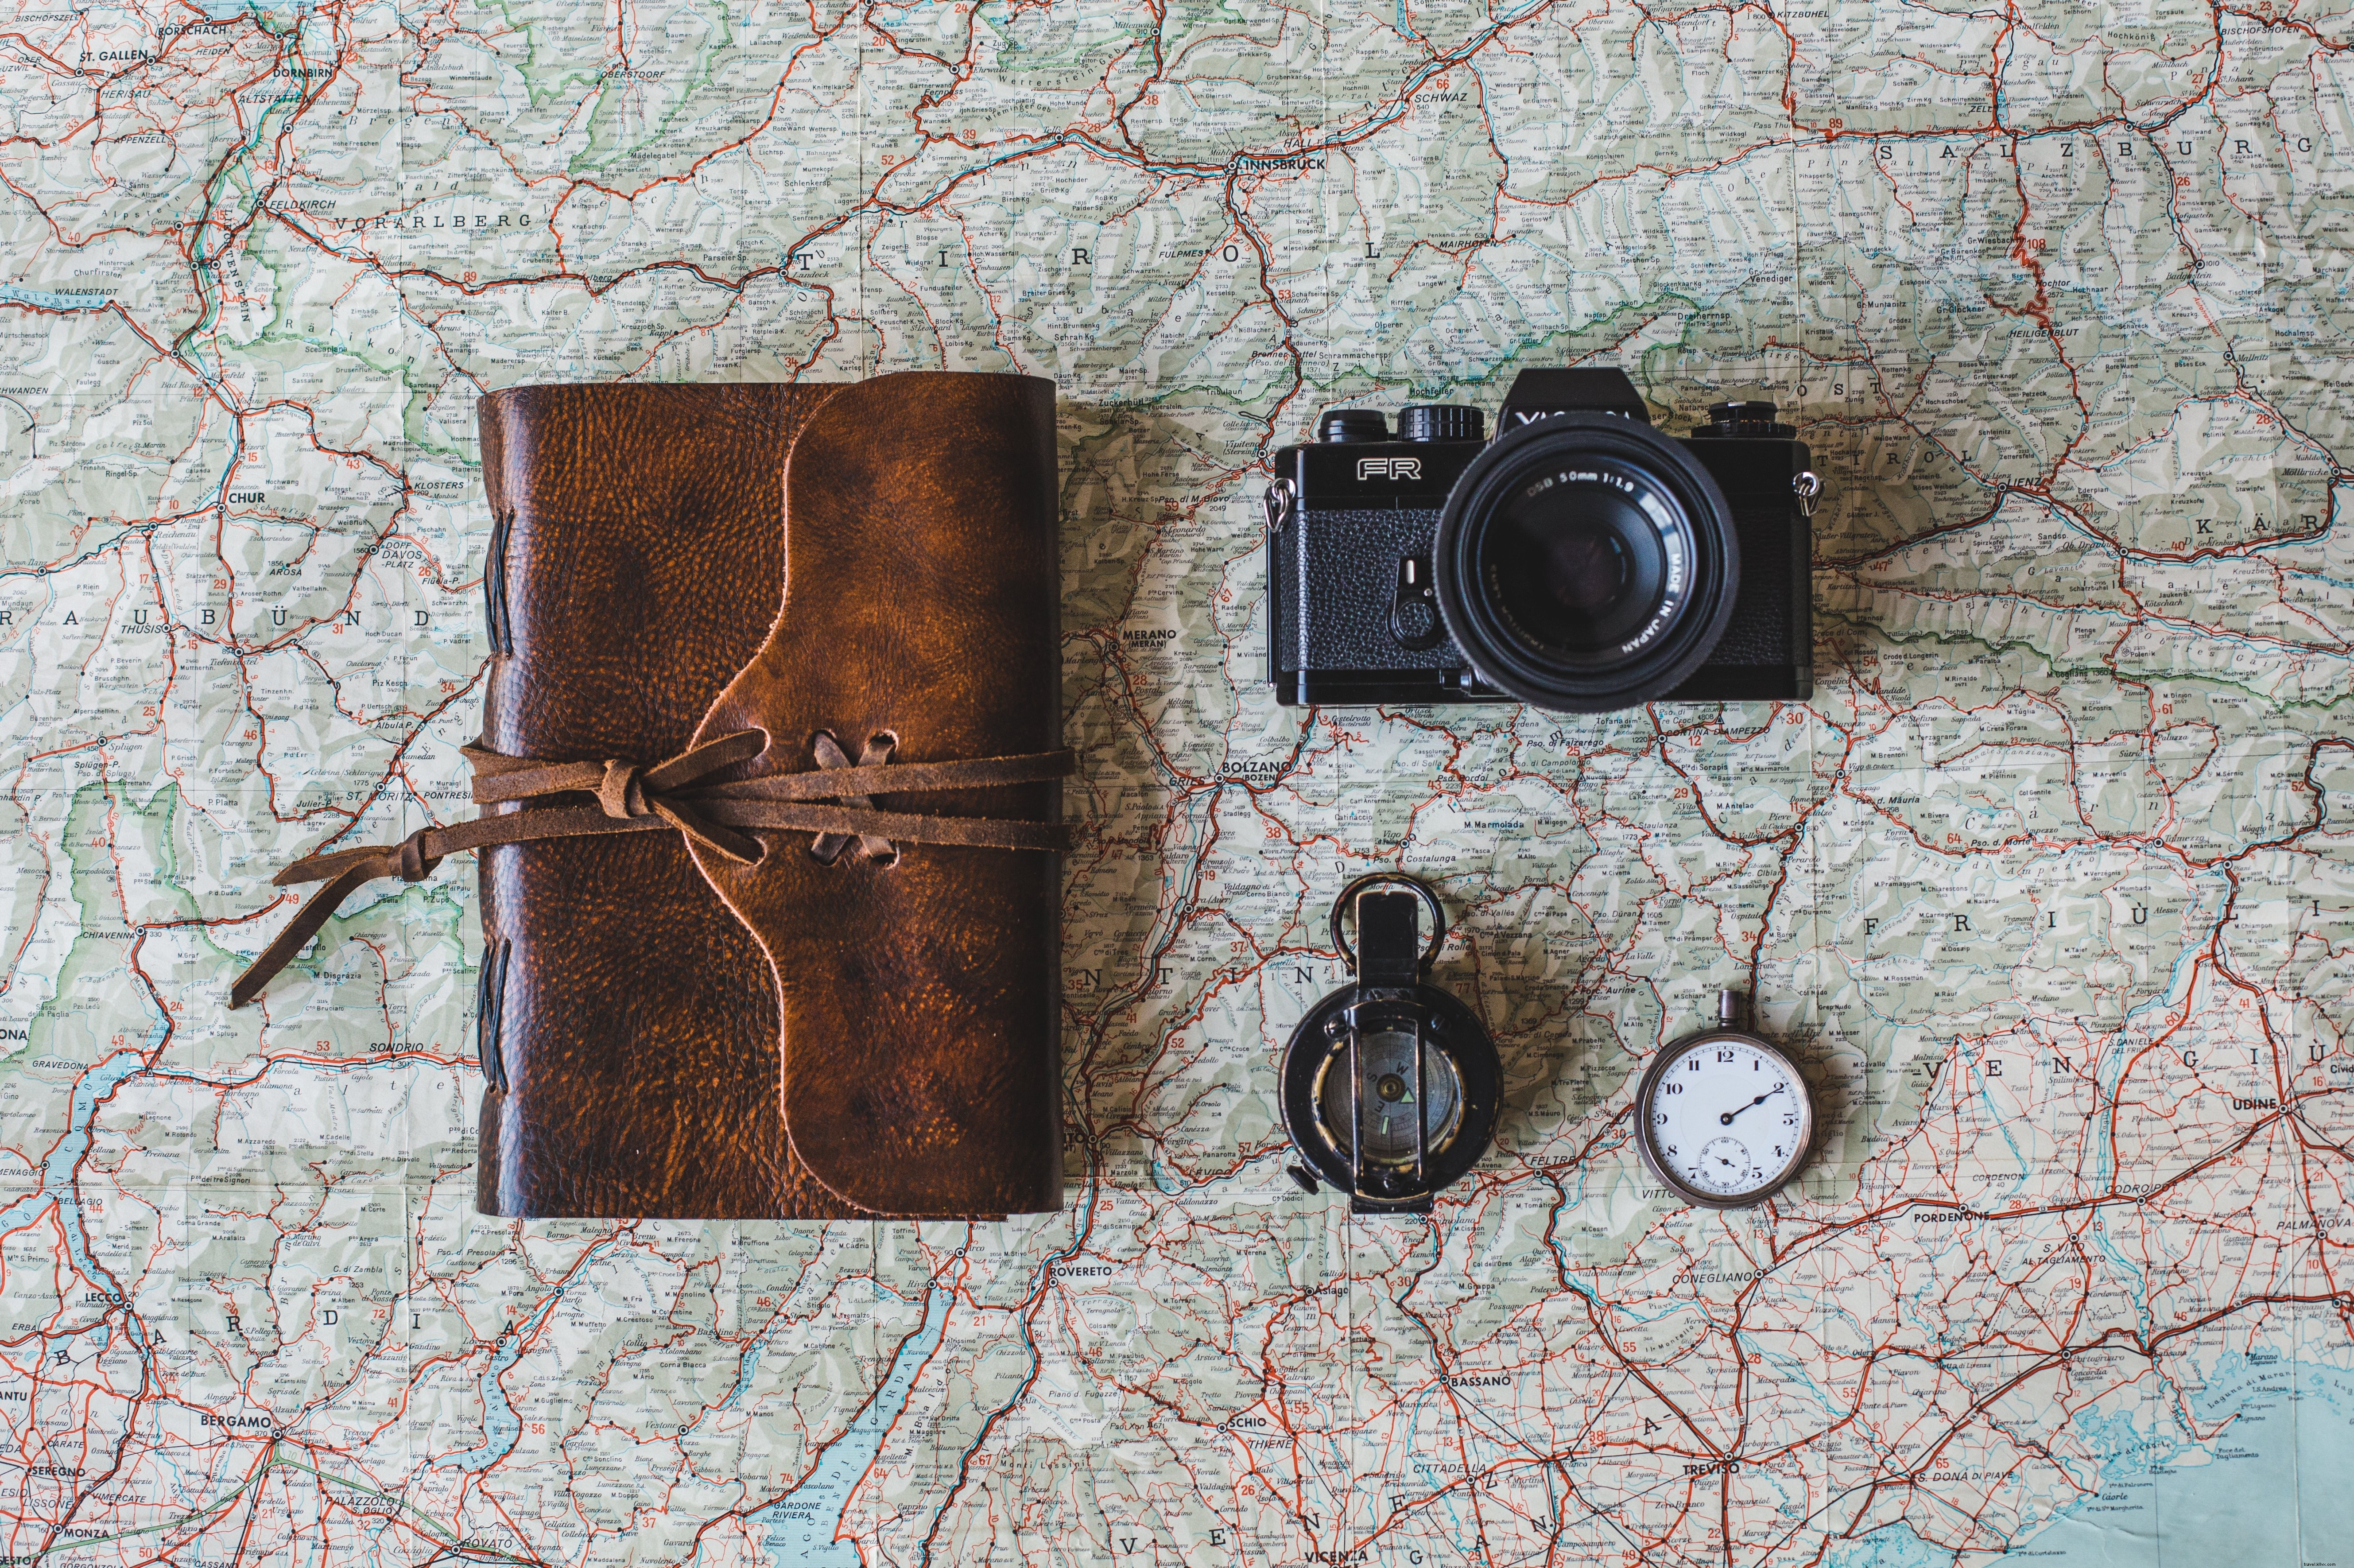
(769, 801)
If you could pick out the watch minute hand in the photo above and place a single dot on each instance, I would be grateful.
(1727, 1119)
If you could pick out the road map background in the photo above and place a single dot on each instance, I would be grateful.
(2049, 884)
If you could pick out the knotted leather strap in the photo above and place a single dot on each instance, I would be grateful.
(830, 803)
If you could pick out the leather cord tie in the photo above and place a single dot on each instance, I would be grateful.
(833, 802)
(828, 847)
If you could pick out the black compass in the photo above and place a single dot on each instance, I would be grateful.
(1389, 1085)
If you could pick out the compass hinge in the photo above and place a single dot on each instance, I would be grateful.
(1389, 939)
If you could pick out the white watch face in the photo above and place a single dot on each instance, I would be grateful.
(1727, 1120)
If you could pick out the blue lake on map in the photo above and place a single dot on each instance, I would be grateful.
(65, 1158)
(501, 1425)
(802, 1522)
(51, 302)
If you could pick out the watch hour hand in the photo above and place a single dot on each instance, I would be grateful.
(1727, 1118)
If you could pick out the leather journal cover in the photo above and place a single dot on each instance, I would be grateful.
(769, 907)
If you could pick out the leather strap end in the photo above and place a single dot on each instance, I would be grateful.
(736, 745)
(485, 761)
(315, 912)
(831, 803)
(320, 867)
(741, 848)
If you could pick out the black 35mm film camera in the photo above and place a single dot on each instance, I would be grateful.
(1581, 561)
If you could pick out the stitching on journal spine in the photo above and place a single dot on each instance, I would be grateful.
(495, 585)
(489, 998)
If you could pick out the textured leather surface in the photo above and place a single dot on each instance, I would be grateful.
(650, 1069)
(919, 1015)
(638, 1029)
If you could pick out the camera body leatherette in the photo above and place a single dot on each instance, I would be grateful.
(670, 1032)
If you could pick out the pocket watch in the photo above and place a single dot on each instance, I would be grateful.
(1723, 1116)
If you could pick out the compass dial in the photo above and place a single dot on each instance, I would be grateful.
(1385, 1061)
(1725, 1118)
(1349, 1071)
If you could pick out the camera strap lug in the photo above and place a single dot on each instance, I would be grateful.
(1475, 685)
(1806, 490)
(1278, 501)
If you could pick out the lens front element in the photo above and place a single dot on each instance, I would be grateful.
(1580, 567)
(1585, 563)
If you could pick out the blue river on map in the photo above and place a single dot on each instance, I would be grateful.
(2277, 1489)
(802, 1523)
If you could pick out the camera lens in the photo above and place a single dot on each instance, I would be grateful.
(1586, 562)
(1578, 572)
